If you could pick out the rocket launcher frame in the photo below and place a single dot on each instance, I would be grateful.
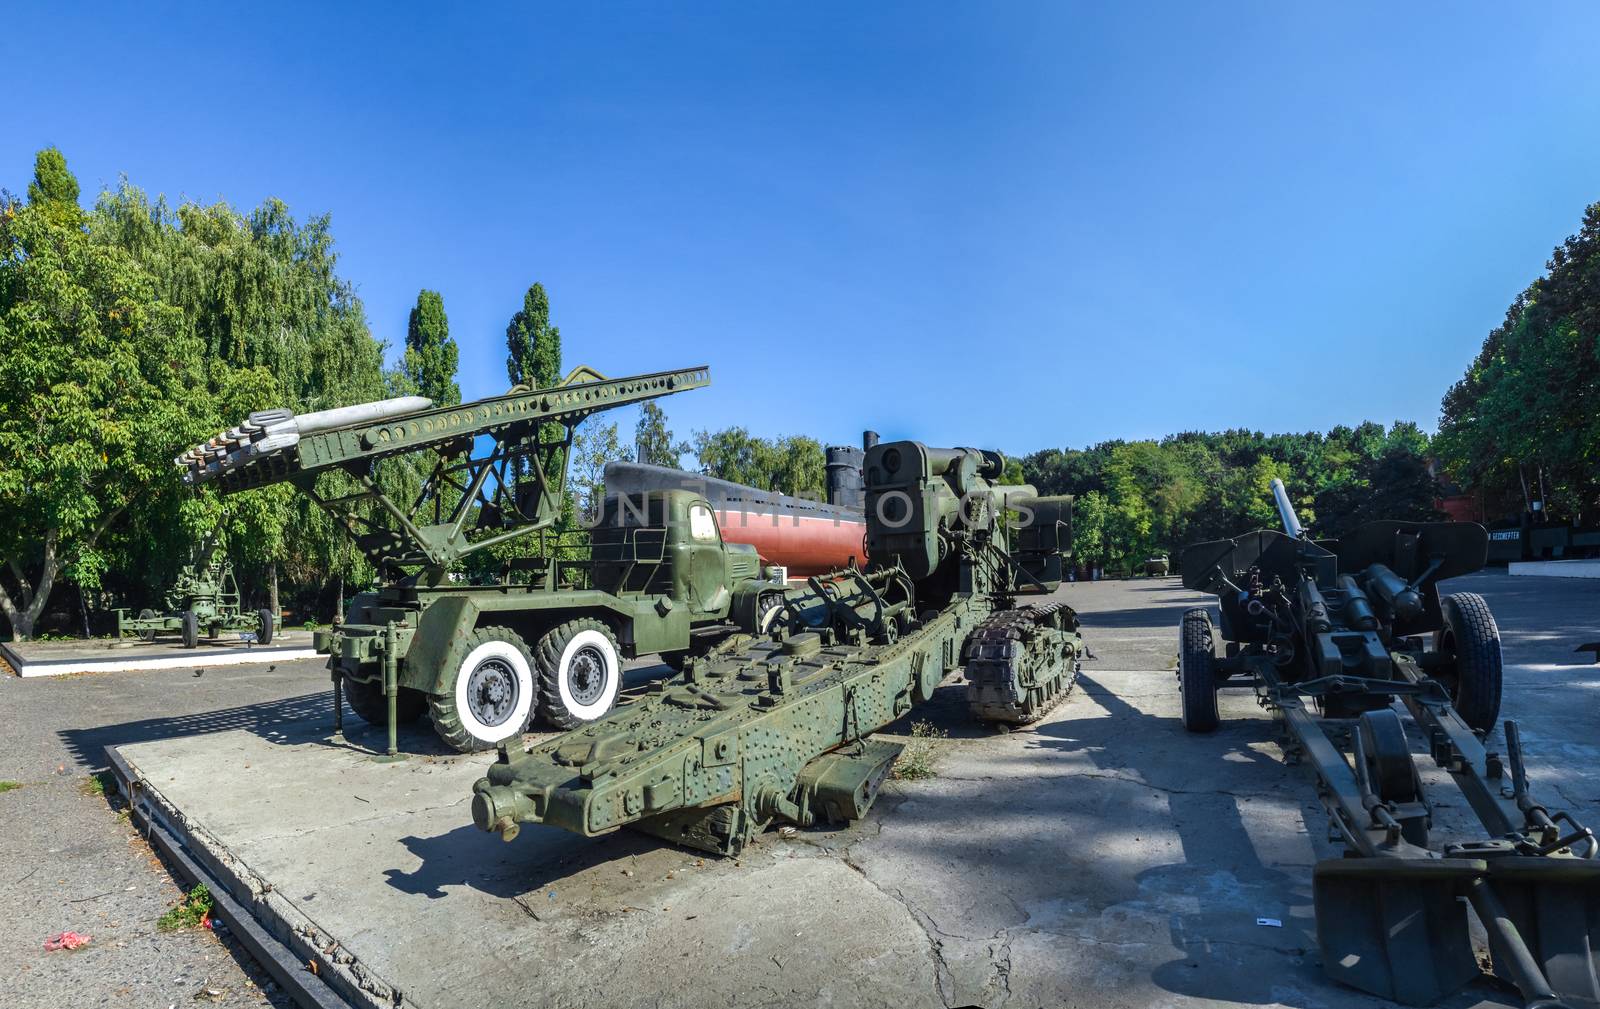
(516, 485)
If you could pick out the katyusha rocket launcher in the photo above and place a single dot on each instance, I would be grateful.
(779, 728)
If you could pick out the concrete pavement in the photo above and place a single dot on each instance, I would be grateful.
(1100, 858)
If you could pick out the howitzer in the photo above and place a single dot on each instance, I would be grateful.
(779, 727)
(1329, 635)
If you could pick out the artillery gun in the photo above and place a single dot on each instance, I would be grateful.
(205, 599)
(482, 659)
(1329, 635)
(778, 727)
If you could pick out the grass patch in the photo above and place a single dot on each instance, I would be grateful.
(917, 760)
(101, 783)
(6, 786)
(188, 912)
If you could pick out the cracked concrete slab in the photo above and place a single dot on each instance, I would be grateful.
(1099, 858)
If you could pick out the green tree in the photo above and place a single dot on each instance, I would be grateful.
(533, 345)
(275, 326)
(533, 355)
(654, 440)
(593, 445)
(97, 381)
(53, 183)
(794, 464)
(430, 355)
(1524, 414)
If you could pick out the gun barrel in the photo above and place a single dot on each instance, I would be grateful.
(1291, 521)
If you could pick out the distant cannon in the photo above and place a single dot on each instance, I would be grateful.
(1329, 635)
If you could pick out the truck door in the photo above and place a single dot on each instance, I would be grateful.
(708, 566)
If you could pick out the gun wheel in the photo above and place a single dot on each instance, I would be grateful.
(1472, 638)
(580, 672)
(1197, 672)
(190, 625)
(366, 698)
(147, 614)
(264, 627)
(490, 697)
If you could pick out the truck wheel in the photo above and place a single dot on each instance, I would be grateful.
(491, 695)
(580, 672)
(1473, 679)
(767, 609)
(1197, 672)
(367, 700)
(147, 614)
(190, 625)
(264, 626)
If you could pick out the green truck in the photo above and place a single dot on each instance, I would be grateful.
(484, 659)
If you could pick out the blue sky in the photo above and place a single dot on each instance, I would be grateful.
(1009, 225)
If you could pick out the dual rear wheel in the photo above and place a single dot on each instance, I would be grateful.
(571, 676)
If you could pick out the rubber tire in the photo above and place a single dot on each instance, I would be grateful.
(557, 646)
(444, 709)
(1470, 631)
(367, 700)
(1197, 672)
(190, 626)
(263, 626)
(147, 614)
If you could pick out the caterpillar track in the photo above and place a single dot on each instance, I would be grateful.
(1022, 662)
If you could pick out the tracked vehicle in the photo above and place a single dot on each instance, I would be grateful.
(548, 636)
(1330, 635)
(778, 728)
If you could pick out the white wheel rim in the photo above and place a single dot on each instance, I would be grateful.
(597, 642)
(513, 657)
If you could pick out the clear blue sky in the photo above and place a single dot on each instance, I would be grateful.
(1009, 225)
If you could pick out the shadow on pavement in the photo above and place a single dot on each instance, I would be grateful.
(1220, 879)
(307, 718)
(539, 858)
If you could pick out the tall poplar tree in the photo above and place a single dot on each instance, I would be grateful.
(431, 356)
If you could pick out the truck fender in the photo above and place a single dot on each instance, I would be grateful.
(441, 627)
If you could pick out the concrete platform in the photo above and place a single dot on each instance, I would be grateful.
(1556, 569)
(109, 655)
(1101, 858)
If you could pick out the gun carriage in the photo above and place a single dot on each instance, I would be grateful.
(778, 727)
(1330, 635)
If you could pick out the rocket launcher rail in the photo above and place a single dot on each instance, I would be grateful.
(470, 500)
(276, 445)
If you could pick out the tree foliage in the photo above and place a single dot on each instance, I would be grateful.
(1524, 414)
(1136, 499)
(129, 333)
(654, 441)
(794, 464)
(97, 386)
(533, 345)
(431, 356)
